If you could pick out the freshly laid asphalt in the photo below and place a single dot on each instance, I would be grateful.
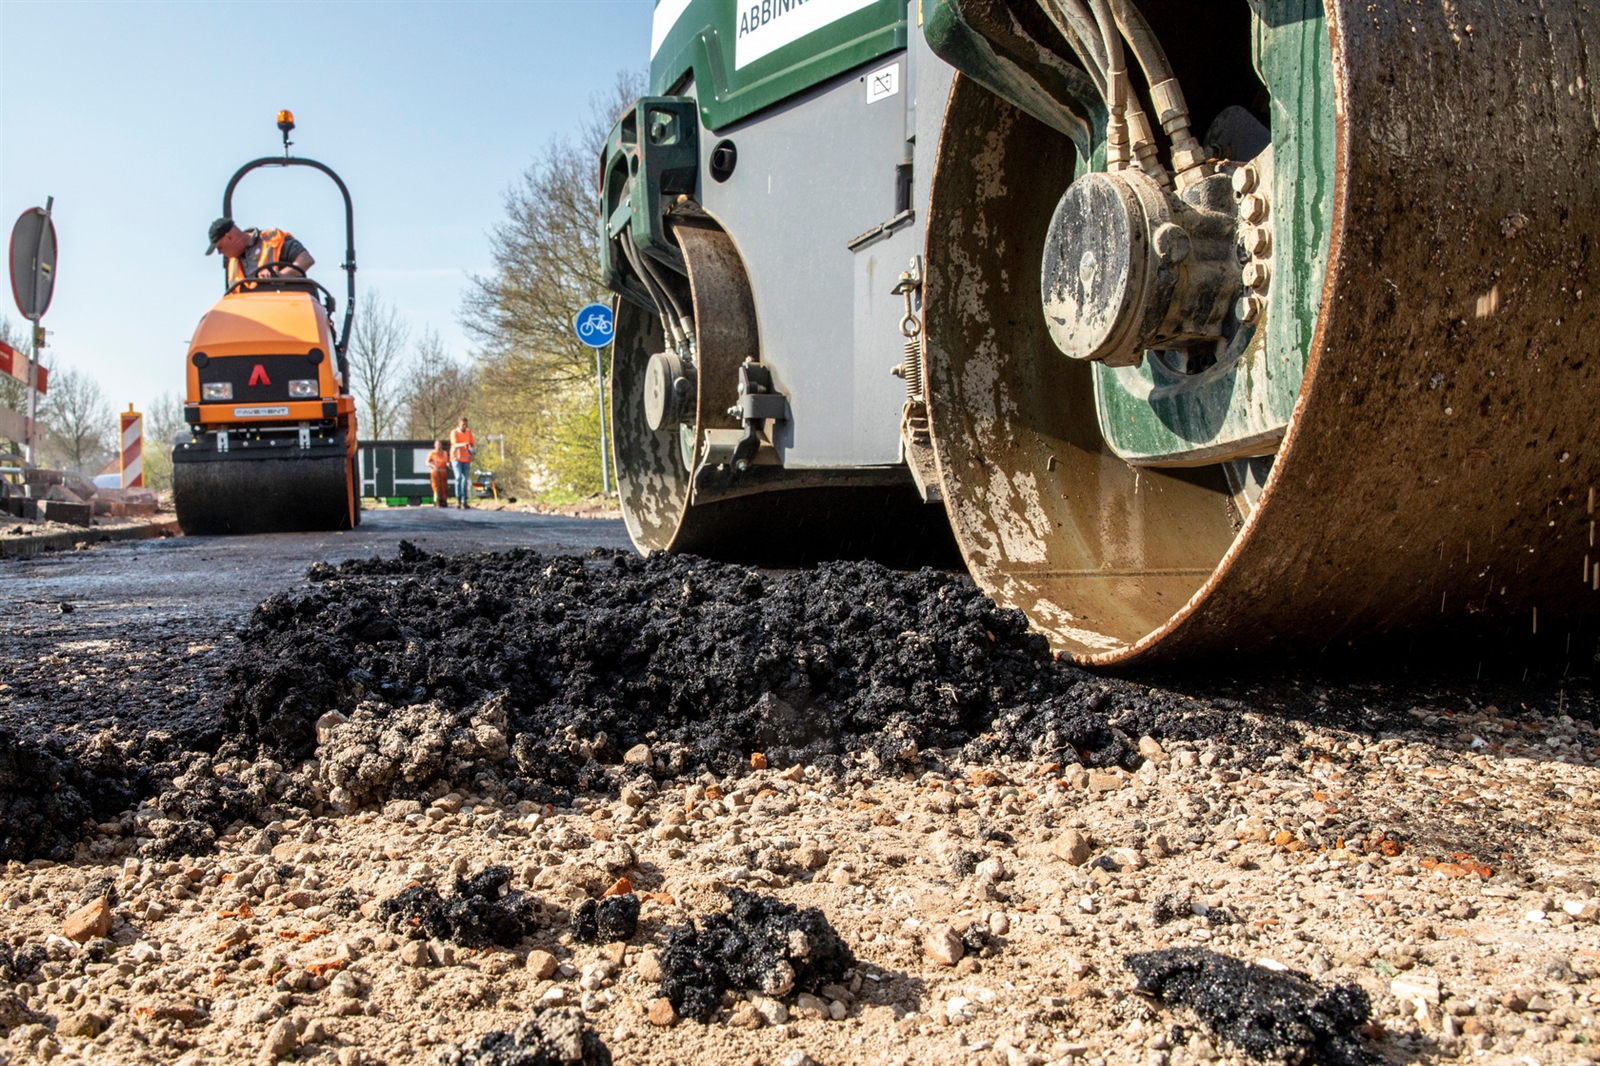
(76, 627)
(222, 578)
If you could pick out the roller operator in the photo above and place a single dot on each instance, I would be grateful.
(257, 253)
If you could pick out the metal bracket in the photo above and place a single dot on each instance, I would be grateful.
(305, 435)
(222, 440)
(757, 403)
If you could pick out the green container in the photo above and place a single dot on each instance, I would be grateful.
(395, 470)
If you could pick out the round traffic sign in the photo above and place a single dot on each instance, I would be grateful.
(33, 262)
(593, 325)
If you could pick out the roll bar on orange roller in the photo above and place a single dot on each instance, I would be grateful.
(349, 264)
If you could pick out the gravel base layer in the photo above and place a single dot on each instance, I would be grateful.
(1411, 868)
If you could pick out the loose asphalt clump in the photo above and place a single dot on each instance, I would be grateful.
(606, 921)
(481, 911)
(18, 963)
(1098, 722)
(759, 944)
(1267, 1014)
(556, 1037)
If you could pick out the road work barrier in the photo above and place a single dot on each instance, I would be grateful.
(132, 448)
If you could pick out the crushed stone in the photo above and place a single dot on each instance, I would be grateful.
(1275, 1015)
(760, 944)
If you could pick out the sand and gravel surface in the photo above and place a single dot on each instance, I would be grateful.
(376, 819)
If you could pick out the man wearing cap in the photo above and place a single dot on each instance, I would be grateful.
(255, 253)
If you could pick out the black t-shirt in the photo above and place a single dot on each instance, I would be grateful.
(292, 249)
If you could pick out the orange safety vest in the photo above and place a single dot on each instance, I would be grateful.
(461, 444)
(271, 248)
(438, 459)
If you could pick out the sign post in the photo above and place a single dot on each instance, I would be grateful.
(595, 326)
(33, 283)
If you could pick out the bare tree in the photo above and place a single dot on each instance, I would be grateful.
(162, 421)
(437, 389)
(377, 354)
(546, 267)
(82, 431)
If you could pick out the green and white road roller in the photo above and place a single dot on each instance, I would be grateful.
(1205, 328)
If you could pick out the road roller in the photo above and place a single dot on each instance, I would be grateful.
(1208, 328)
(270, 438)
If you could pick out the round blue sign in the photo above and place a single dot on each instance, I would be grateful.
(593, 325)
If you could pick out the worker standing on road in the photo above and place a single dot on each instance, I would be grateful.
(254, 253)
(439, 473)
(461, 448)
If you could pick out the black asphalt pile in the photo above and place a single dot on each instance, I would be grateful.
(440, 666)
(759, 944)
(1098, 722)
(557, 1037)
(48, 793)
(481, 911)
(1268, 1014)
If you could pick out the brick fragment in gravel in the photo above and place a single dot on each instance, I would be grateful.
(474, 915)
(1276, 1015)
(556, 1037)
(759, 944)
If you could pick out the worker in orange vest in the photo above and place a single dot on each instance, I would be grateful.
(439, 473)
(462, 446)
(254, 253)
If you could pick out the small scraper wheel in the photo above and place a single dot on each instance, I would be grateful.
(779, 527)
(651, 473)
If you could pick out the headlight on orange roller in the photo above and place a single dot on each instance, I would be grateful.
(303, 389)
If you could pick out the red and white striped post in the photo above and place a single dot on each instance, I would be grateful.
(132, 449)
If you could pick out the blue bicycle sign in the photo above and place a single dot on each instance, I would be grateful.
(594, 325)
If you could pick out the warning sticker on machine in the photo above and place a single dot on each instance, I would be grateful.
(767, 25)
(260, 412)
(883, 83)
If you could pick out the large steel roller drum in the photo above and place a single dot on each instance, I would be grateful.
(1441, 463)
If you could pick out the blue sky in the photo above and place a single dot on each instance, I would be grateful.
(134, 115)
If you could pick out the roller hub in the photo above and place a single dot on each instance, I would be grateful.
(1130, 266)
(668, 392)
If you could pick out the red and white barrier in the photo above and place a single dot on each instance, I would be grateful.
(15, 363)
(132, 449)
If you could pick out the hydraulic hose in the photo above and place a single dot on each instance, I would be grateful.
(671, 313)
(1117, 147)
(1073, 21)
(1172, 111)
